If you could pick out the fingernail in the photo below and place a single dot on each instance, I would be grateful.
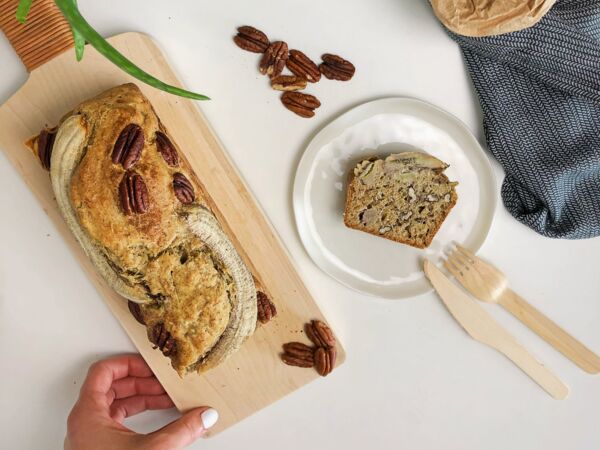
(209, 418)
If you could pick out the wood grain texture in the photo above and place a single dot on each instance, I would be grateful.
(550, 332)
(43, 36)
(483, 328)
(252, 378)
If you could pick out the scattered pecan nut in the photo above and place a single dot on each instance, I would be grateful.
(298, 354)
(184, 190)
(303, 105)
(128, 146)
(322, 356)
(133, 194)
(160, 336)
(136, 311)
(301, 65)
(325, 360)
(167, 149)
(44, 146)
(335, 67)
(251, 39)
(273, 61)
(288, 83)
(265, 307)
(320, 334)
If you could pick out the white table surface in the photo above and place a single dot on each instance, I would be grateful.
(413, 379)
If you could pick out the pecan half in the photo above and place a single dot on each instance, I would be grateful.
(320, 334)
(136, 311)
(157, 334)
(184, 190)
(298, 354)
(335, 67)
(273, 61)
(265, 307)
(45, 144)
(325, 360)
(167, 149)
(301, 65)
(170, 347)
(288, 83)
(251, 39)
(128, 146)
(133, 194)
(301, 104)
(299, 350)
(160, 336)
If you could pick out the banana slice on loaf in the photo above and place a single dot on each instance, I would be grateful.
(404, 197)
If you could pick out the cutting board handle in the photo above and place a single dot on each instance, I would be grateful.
(45, 35)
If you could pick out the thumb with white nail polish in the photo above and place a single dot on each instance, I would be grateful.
(209, 417)
(185, 430)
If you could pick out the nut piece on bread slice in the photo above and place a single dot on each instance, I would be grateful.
(404, 197)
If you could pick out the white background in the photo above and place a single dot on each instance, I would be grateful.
(413, 379)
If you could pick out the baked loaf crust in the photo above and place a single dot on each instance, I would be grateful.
(404, 197)
(144, 219)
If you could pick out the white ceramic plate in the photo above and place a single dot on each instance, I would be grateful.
(368, 263)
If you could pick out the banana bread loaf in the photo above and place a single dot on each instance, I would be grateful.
(143, 218)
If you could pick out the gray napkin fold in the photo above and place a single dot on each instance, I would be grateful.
(539, 89)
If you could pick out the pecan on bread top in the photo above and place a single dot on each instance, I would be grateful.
(143, 218)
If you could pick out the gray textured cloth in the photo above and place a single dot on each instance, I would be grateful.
(539, 89)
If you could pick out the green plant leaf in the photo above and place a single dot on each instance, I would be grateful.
(23, 10)
(80, 25)
(78, 39)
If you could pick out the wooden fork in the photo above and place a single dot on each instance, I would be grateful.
(488, 284)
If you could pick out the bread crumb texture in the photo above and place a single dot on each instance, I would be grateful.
(404, 197)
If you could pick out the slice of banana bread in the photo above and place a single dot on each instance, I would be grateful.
(404, 197)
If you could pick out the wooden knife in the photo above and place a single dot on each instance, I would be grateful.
(481, 327)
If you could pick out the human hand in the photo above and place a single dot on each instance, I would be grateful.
(120, 387)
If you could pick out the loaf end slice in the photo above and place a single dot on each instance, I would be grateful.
(405, 197)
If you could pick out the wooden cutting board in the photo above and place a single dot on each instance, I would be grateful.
(252, 378)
